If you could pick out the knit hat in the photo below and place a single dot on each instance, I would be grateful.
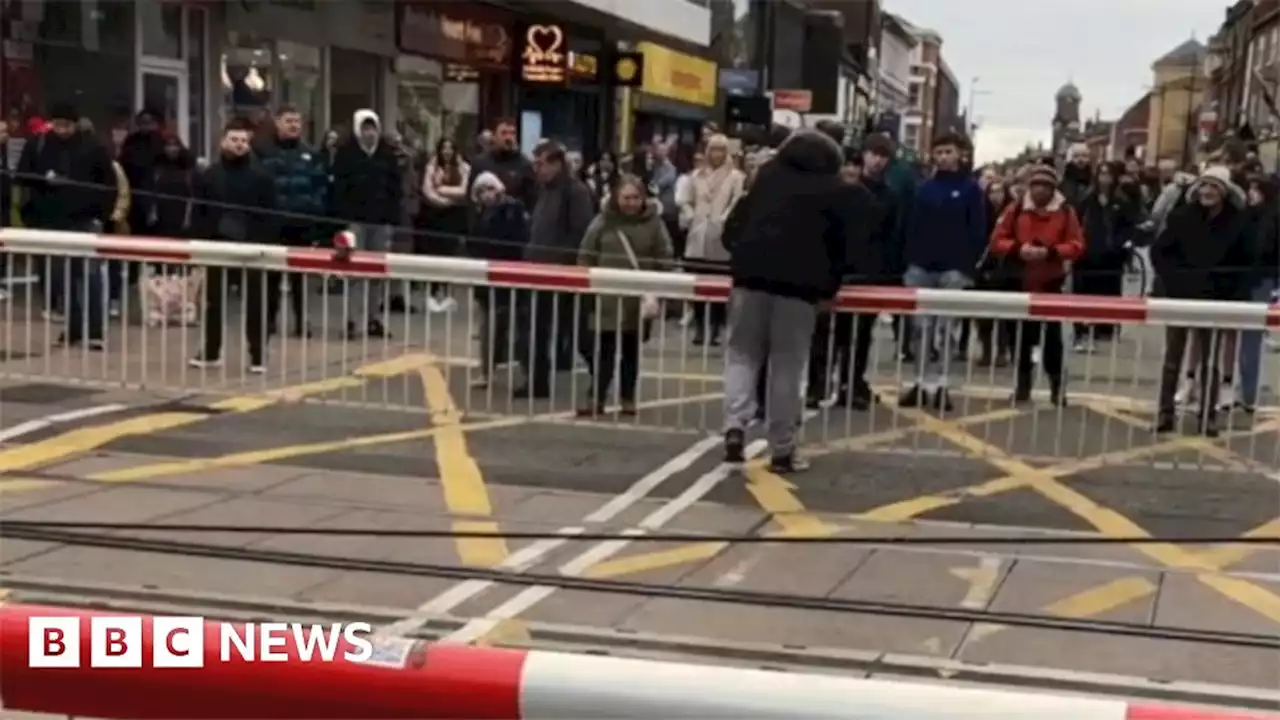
(1043, 174)
(485, 181)
(63, 111)
(1220, 175)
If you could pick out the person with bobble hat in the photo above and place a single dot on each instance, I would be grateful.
(1034, 239)
(1199, 256)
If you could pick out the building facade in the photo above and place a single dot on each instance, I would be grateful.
(893, 78)
(918, 125)
(1180, 84)
(432, 68)
(946, 102)
(1229, 74)
(1263, 76)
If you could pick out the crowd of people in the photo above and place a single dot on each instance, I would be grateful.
(791, 216)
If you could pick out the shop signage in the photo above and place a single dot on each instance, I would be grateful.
(464, 33)
(795, 100)
(678, 76)
(545, 58)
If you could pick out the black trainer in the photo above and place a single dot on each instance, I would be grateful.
(788, 464)
(734, 446)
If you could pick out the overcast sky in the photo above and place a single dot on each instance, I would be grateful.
(1024, 50)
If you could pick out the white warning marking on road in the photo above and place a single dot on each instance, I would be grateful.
(982, 581)
(529, 555)
(30, 426)
(531, 596)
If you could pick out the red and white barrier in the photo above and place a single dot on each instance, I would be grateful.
(1006, 305)
(421, 680)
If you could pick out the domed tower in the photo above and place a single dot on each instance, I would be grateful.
(1066, 118)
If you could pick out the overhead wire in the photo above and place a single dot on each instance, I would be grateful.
(647, 590)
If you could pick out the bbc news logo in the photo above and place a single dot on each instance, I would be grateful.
(179, 642)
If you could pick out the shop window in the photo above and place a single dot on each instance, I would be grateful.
(83, 55)
(160, 24)
(354, 78)
(302, 84)
(248, 80)
(420, 107)
(197, 130)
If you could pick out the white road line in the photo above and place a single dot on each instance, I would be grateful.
(531, 596)
(31, 426)
(529, 555)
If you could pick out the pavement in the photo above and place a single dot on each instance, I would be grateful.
(391, 434)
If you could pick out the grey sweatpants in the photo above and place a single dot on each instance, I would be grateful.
(364, 295)
(764, 327)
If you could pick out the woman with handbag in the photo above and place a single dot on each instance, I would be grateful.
(627, 234)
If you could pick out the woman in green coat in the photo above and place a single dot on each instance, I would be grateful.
(628, 234)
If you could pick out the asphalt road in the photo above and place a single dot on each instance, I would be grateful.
(391, 435)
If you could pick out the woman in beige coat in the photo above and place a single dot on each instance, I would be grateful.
(629, 235)
(715, 190)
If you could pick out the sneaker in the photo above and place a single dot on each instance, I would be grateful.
(4, 295)
(735, 447)
(1227, 396)
(113, 309)
(788, 464)
(912, 397)
(942, 400)
(441, 305)
(97, 345)
(200, 362)
(257, 367)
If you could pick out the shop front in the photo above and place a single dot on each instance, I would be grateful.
(453, 72)
(563, 80)
(327, 59)
(172, 46)
(677, 95)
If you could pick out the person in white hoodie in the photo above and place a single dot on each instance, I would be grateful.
(367, 196)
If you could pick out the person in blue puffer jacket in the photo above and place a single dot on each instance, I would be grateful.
(945, 238)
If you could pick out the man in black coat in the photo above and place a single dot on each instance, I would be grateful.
(795, 233)
(1200, 255)
(235, 201)
(368, 197)
(69, 184)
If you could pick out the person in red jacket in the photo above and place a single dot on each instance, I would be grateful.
(1033, 241)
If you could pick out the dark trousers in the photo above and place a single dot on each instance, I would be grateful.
(496, 308)
(996, 337)
(253, 286)
(1047, 335)
(292, 237)
(1208, 371)
(1102, 278)
(86, 317)
(831, 348)
(623, 348)
(549, 318)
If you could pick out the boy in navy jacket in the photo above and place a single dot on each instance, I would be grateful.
(945, 238)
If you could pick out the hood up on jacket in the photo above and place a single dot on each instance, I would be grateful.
(1220, 176)
(811, 151)
(358, 119)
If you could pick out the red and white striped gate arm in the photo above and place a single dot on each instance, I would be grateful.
(903, 301)
(466, 683)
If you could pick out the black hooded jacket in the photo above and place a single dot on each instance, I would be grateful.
(800, 229)
(1075, 184)
(169, 210)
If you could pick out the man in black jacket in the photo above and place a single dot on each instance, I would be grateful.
(508, 164)
(69, 184)
(797, 230)
(368, 196)
(235, 201)
(1199, 256)
(302, 185)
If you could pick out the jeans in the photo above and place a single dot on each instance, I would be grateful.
(930, 372)
(1251, 349)
(86, 319)
(364, 295)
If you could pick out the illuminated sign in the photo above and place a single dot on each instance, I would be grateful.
(584, 66)
(545, 58)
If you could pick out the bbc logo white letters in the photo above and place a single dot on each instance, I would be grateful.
(53, 642)
(177, 642)
(116, 642)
